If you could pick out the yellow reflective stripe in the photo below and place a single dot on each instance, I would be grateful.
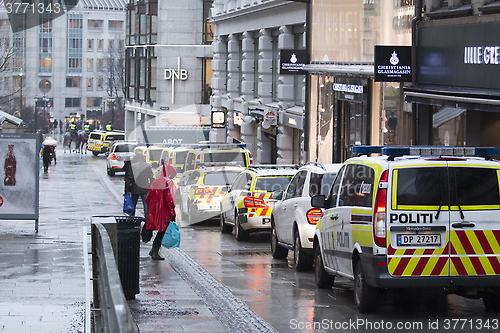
(457, 244)
(357, 211)
(363, 234)
(469, 268)
(492, 241)
(423, 164)
(426, 208)
(410, 267)
(394, 189)
(474, 242)
(485, 263)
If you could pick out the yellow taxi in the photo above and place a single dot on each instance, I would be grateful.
(248, 204)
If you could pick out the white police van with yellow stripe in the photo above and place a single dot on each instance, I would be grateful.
(413, 217)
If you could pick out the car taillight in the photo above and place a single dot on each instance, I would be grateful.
(203, 190)
(314, 215)
(379, 215)
(252, 202)
(113, 157)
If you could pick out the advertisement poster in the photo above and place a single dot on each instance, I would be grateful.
(19, 176)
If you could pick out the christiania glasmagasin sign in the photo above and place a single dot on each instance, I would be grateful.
(292, 62)
(392, 63)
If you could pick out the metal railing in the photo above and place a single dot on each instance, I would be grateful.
(111, 310)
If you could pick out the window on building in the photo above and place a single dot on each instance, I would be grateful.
(275, 68)
(110, 44)
(90, 44)
(99, 65)
(72, 102)
(95, 24)
(90, 65)
(99, 83)
(207, 81)
(208, 27)
(45, 63)
(121, 44)
(115, 25)
(99, 44)
(6, 83)
(256, 67)
(75, 63)
(45, 25)
(90, 82)
(72, 82)
(94, 101)
(75, 23)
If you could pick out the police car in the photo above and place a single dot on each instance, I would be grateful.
(99, 141)
(412, 217)
(202, 193)
(248, 204)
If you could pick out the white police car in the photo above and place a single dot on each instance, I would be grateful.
(413, 217)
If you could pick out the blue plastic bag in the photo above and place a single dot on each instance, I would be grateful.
(128, 205)
(172, 237)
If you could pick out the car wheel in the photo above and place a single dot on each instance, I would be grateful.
(107, 171)
(240, 233)
(491, 302)
(323, 279)
(277, 251)
(224, 227)
(95, 153)
(302, 261)
(365, 297)
(111, 172)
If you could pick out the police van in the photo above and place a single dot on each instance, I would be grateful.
(412, 217)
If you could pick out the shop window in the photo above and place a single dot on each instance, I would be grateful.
(207, 81)
(73, 82)
(208, 27)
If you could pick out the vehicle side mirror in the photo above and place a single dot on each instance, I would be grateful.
(278, 195)
(318, 201)
(162, 161)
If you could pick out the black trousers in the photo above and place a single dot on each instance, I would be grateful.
(158, 238)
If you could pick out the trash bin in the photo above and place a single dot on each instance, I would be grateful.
(128, 233)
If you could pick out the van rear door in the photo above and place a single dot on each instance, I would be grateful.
(474, 216)
(418, 219)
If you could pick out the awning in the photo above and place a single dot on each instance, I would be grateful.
(445, 114)
(341, 69)
(470, 99)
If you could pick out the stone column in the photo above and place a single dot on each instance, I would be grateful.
(248, 133)
(265, 66)
(233, 66)
(247, 64)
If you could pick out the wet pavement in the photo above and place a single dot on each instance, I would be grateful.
(42, 274)
(212, 283)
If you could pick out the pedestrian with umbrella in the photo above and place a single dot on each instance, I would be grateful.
(48, 153)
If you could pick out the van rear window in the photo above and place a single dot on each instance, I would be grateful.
(229, 156)
(441, 186)
(95, 136)
(115, 137)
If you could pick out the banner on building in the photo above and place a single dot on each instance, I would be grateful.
(392, 63)
(292, 62)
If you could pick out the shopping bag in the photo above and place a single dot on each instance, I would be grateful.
(128, 205)
(172, 237)
(146, 234)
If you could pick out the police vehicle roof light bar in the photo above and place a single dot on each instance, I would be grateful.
(426, 150)
(219, 145)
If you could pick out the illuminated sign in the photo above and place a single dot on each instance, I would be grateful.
(218, 119)
(292, 62)
(348, 88)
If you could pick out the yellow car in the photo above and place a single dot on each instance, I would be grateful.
(203, 190)
(247, 206)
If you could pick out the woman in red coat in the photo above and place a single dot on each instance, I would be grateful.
(161, 207)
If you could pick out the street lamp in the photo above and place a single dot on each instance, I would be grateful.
(45, 99)
(21, 91)
(111, 103)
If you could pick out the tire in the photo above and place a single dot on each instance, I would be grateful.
(224, 227)
(491, 302)
(240, 233)
(93, 153)
(277, 251)
(111, 172)
(302, 261)
(107, 171)
(323, 279)
(365, 297)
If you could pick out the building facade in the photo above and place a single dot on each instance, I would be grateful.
(60, 65)
(456, 91)
(264, 108)
(168, 72)
(348, 106)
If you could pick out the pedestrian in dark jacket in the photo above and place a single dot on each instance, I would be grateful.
(47, 155)
(161, 202)
(138, 177)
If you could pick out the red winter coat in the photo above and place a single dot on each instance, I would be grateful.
(161, 200)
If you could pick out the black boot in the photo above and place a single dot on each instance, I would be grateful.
(154, 253)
